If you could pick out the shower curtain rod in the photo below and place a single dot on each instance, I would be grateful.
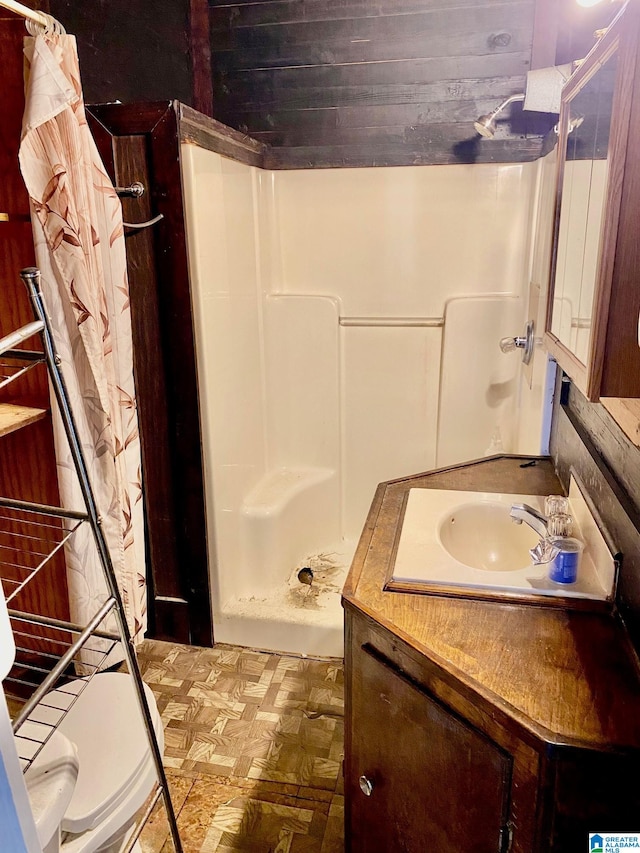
(30, 14)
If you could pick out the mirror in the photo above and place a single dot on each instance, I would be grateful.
(594, 299)
(586, 126)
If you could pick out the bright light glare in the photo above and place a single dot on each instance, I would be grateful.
(588, 3)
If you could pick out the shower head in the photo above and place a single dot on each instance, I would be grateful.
(486, 125)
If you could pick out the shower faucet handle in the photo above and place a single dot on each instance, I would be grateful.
(509, 344)
(525, 343)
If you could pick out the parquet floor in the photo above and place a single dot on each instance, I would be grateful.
(253, 749)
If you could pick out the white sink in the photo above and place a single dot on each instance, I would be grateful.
(467, 539)
(482, 535)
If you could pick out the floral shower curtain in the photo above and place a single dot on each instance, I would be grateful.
(79, 237)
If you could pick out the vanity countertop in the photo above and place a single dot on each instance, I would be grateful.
(566, 677)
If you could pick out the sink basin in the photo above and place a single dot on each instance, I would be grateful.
(465, 543)
(483, 536)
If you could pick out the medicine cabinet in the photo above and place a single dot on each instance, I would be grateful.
(594, 297)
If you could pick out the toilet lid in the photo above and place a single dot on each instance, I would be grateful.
(105, 724)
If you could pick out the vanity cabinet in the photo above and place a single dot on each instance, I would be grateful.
(476, 726)
(418, 774)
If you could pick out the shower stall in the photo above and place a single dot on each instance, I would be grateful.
(347, 327)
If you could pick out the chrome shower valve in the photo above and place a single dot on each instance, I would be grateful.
(525, 343)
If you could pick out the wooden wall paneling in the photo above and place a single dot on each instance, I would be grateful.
(586, 438)
(355, 83)
(546, 24)
(421, 144)
(27, 459)
(626, 413)
(355, 104)
(304, 74)
(442, 112)
(179, 349)
(130, 50)
(158, 271)
(256, 12)
(610, 442)
(200, 49)
(130, 159)
(330, 84)
(278, 34)
(366, 152)
(374, 83)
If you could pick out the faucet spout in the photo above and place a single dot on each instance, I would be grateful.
(535, 519)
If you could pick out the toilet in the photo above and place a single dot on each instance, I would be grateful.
(96, 770)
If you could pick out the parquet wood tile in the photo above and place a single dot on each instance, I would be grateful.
(253, 745)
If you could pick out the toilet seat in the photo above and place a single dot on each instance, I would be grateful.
(105, 724)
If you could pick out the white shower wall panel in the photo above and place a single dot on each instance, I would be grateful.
(223, 256)
(401, 241)
(295, 508)
(479, 384)
(389, 400)
(302, 380)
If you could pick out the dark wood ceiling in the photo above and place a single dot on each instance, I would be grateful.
(338, 82)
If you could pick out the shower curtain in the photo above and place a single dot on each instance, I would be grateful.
(79, 240)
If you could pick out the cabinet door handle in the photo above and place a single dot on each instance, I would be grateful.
(366, 786)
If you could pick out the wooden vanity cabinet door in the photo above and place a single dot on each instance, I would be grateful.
(436, 783)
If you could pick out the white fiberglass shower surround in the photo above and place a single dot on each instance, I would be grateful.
(347, 328)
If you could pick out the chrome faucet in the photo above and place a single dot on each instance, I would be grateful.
(545, 550)
(533, 517)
